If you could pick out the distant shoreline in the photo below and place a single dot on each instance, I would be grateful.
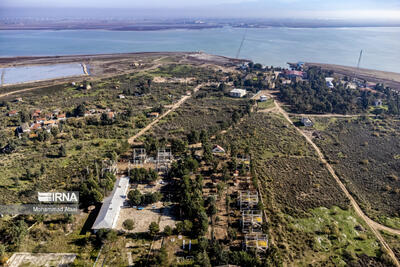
(139, 28)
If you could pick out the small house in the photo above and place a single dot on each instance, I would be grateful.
(307, 122)
(153, 115)
(50, 123)
(218, 149)
(293, 74)
(329, 83)
(18, 99)
(40, 120)
(35, 126)
(238, 93)
(263, 98)
(61, 117)
(121, 96)
(12, 113)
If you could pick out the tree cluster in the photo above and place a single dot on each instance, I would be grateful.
(143, 175)
(314, 96)
(137, 198)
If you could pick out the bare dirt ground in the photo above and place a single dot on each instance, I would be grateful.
(159, 79)
(391, 79)
(156, 212)
(40, 259)
(143, 218)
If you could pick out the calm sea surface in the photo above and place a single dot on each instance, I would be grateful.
(270, 46)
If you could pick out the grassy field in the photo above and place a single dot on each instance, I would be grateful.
(208, 110)
(365, 154)
(309, 218)
(36, 165)
(266, 105)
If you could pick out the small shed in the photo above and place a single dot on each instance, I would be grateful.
(329, 82)
(12, 113)
(218, 149)
(307, 122)
(153, 115)
(263, 98)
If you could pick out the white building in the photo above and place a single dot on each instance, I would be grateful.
(218, 149)
(263, 98)
(329, 82)
(307, 122)
(109, 212)
(238, 93)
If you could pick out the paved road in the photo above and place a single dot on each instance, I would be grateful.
(374, 226)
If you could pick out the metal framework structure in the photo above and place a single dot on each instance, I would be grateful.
(108, 166)
(164, 159)
(256, 241)
(139, 156)
(252, 221)
(248, 200)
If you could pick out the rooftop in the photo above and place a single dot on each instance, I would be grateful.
(108, 215)
(240, 91)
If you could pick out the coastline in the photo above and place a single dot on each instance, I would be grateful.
(144, 28)
(391, 79)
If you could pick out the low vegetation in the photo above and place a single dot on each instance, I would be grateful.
(363, 153)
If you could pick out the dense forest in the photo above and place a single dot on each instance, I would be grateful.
(314, 96)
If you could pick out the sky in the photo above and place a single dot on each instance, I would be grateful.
(319, 9)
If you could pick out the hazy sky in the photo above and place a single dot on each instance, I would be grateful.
(336, 9)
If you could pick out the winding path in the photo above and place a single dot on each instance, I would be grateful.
(374, 226)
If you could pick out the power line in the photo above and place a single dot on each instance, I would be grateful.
(241, 44)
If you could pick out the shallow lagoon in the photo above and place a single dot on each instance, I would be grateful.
(23, 74)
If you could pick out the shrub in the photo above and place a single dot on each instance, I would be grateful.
(168, 230)
(128, 224)
(154, 228)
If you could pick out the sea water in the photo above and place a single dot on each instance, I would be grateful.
(270, 46)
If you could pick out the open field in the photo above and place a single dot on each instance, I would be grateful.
(208, 110)
(297, 189)
(85, 138)
(364, 152)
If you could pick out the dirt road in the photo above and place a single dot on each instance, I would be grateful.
(329, 115)
(173, 107)
(374, 226)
